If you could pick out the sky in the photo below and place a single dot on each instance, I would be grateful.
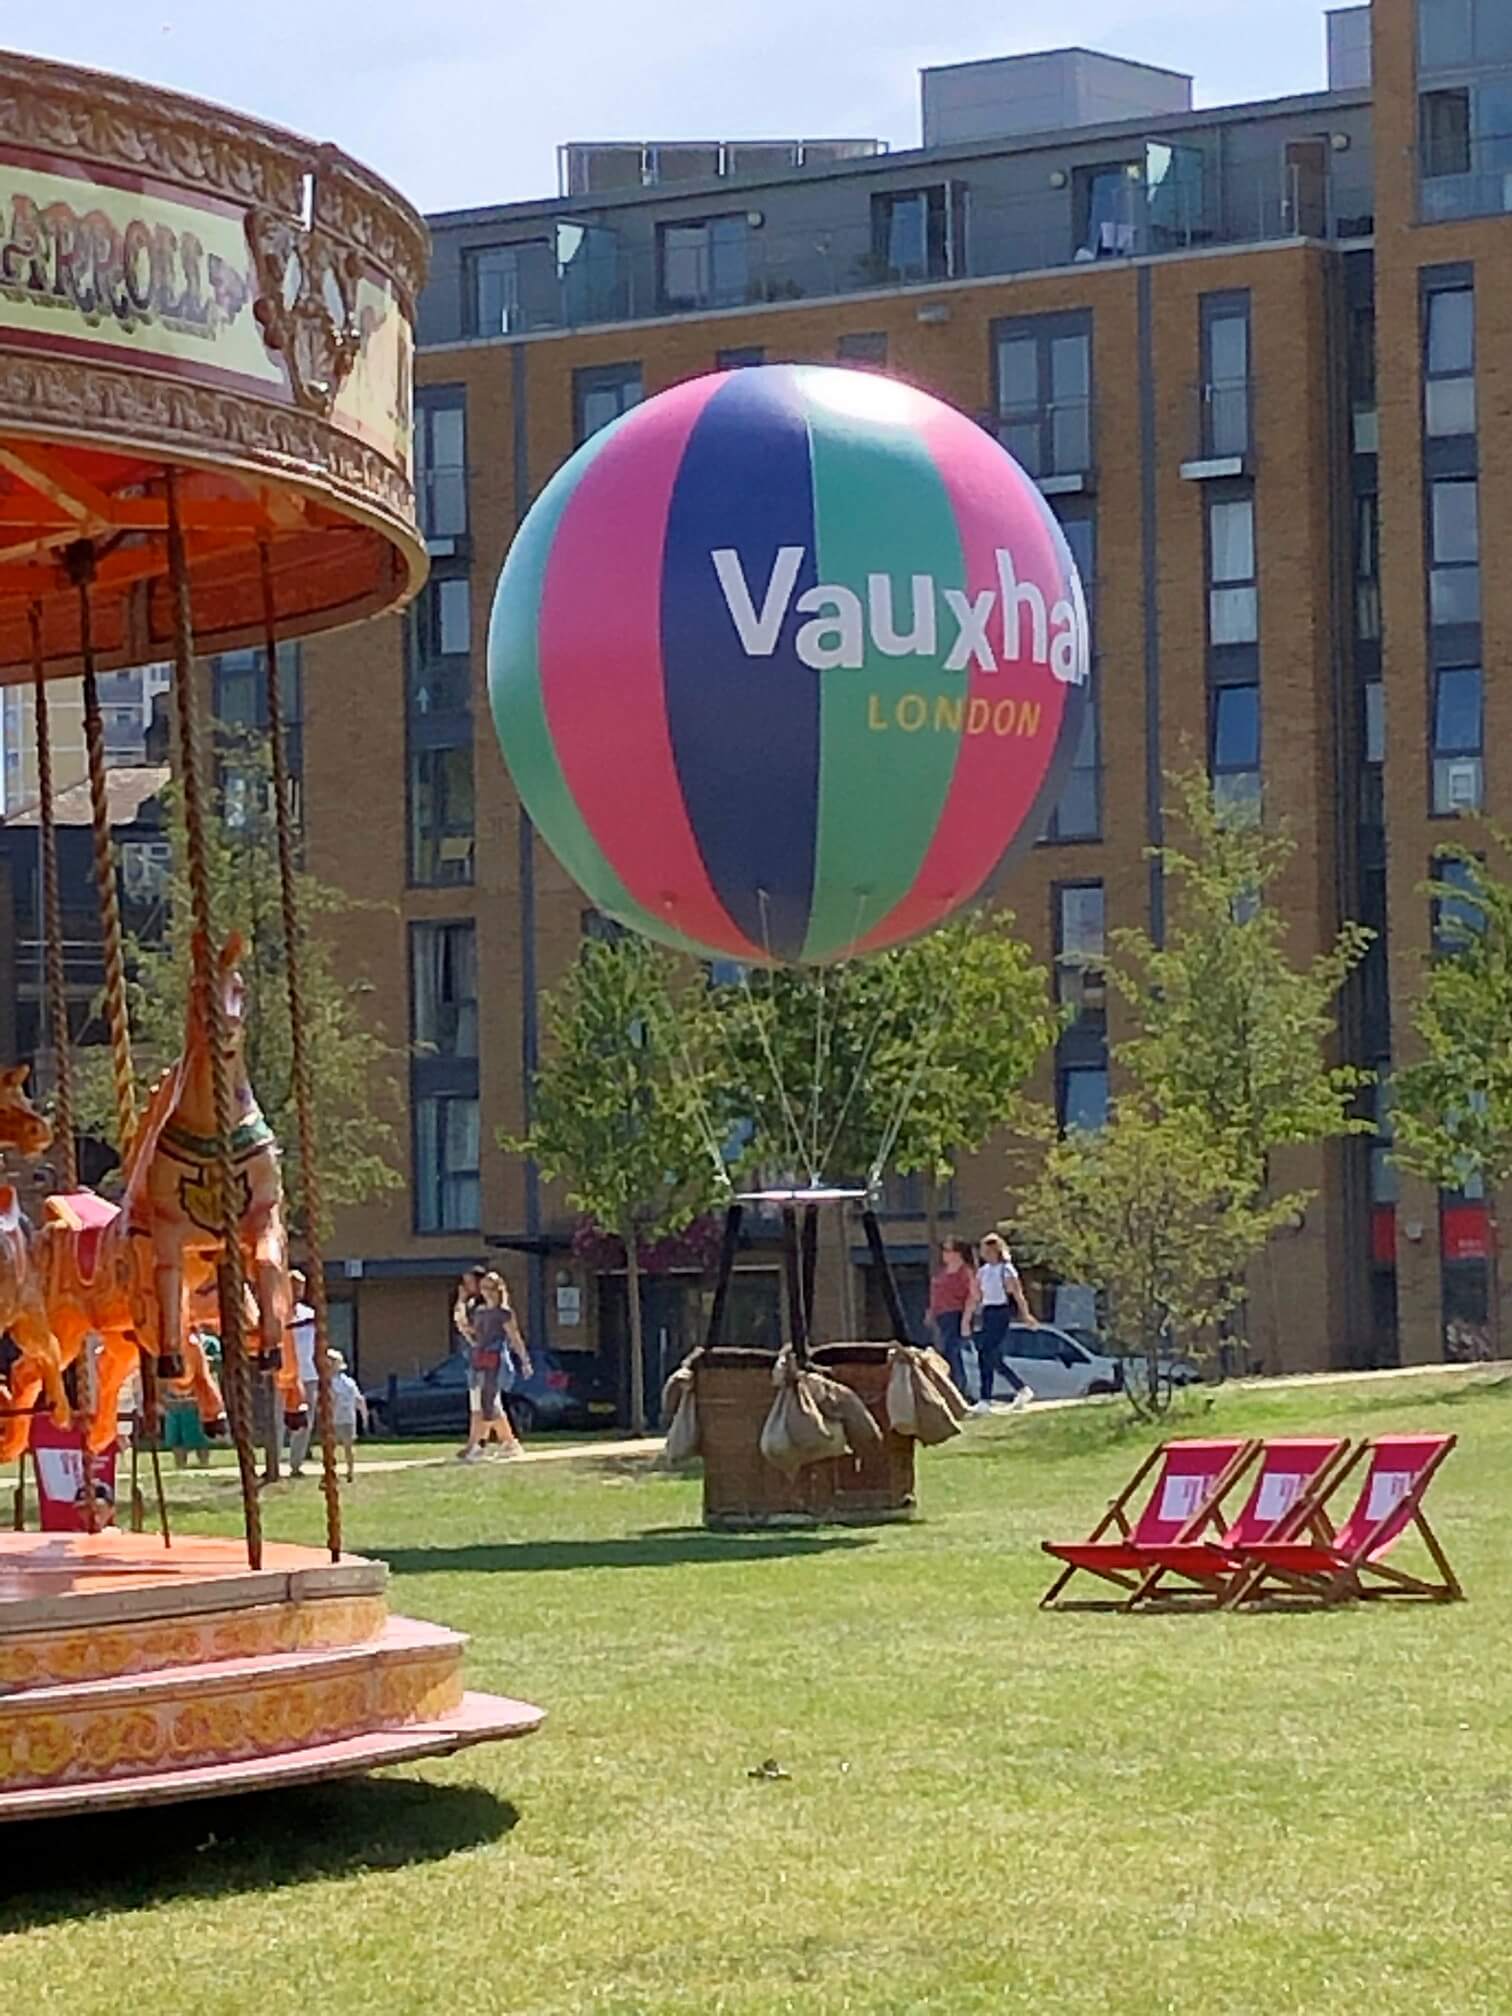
(463, 102)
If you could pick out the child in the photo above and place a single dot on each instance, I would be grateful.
(347, 1408)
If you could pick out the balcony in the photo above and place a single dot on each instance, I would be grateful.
(583, 271)
(1461, 176)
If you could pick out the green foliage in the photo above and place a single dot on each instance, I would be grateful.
(1150, 1210)
(621, 1103)
(1227, 1026)
(352, 1067)
(923, 1051)
(1452, 1106)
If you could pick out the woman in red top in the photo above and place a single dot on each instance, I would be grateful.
(950, 1289)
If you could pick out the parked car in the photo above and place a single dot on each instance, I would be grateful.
(1177, 1371)
(435, 1402)
(1054, 1366)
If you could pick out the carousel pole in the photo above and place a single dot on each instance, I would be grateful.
(230, 1281)
(304, 1097)
(80, 561)
(52, 921)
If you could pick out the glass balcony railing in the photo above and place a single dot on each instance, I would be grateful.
(1462, 177)
(579, 273)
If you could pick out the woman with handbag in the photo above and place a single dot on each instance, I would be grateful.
(996, 1294)
(496, 1350)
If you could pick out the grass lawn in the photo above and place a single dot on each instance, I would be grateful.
(989, 1809)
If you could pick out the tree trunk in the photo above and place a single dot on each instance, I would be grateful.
(637, 1333)
(931, 1219)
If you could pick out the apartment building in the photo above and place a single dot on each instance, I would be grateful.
(1248, 353)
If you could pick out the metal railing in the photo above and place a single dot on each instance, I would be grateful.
(1464, 178)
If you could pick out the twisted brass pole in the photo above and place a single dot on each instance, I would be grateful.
(230, 1282)
(64, 1139)
(304, 1094)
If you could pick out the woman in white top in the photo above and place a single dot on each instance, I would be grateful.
(998, 1293)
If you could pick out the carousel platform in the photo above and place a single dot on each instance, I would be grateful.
(134, 1674)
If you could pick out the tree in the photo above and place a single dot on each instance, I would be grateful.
(622, 1106)
(1452, 1105)
(1227, 1025)
(1228, 1028)
(1150, 1211)
(352, 1067)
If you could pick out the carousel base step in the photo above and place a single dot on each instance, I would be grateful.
(227, 1710)
(476, 1718)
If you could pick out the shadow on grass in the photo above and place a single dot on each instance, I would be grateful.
(228, 1847)
(666, 1547)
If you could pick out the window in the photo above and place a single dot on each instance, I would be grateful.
(602, 393)
(1082, 1098)
(1105, 204)
(511, 288)
(1044, 393)
(865, 346)
(1375, 721)
(444, 990)
(1226, 375)
(1079, 945)
(1367, 546)
(1444, 130)
(1385, 1184)
(441, 814)
(705, 264)
(1458, 768)
(741, 359)
(1078, 815)
(240, 688)
(914, 233)
(447, 1187)
(1454, 551)
(440, 655)
(441, 465)
(1235, 745)
(1449, 362)
(1454, 918)
(1233, 598)
(1453, 34)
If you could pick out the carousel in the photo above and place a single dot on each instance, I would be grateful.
(206, 333)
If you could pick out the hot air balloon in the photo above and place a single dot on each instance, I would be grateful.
(786, 662)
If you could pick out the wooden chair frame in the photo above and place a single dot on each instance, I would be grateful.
(1224, 1585)
(1209, 1513)
(1346, 1582)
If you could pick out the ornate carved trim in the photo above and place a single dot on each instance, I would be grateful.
(161, 414)
(95, 117)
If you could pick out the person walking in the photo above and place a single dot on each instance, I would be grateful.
(466, 1303)
(302, 1329)
(950, 1290)
(997, 1293)
(497, 1352)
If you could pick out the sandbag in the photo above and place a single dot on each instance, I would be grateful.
(682, 1443)
(843, 1404)
(797, 1431)
(922, 1399)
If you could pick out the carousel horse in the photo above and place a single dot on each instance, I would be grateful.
(22, 1310)
(128, 1274)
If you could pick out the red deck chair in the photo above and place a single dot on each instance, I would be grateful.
(1336, 1567)
(1286, 1498)
(1186, 1501)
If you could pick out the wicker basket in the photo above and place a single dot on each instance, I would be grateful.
(742, 1490)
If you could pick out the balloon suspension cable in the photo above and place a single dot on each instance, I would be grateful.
(65, 1139)
(304, 1090)
(764, 1036)
(910, 1092)
(858, 1077)
(708, 1133)
(820, 1059)
(206, 975)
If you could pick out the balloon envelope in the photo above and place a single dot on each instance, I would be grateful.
(785, 661)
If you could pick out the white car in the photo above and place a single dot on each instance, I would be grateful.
(1052, 1365)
